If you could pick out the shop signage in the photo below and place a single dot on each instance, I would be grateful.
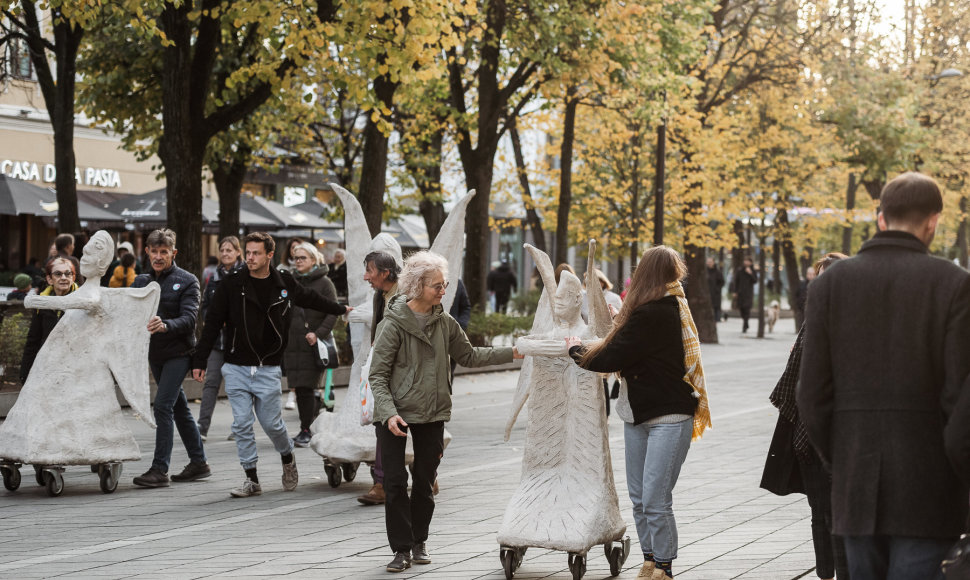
(30, 171)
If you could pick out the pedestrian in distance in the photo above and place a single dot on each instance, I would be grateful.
(742, 290)
(715, 283)
(502, 282)
(792, 442)
(654, 346)
(306, 328)
(255, 306)
(885, 361)
(169, 358)
(411, 384)
(381, 271)
(337, 272)
(60, 282)
(124, 273)
(230, 261)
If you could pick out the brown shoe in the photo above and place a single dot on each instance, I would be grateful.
(647, 570)
(434, 488)
(373, 497)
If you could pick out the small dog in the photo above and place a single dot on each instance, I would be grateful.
(772, 312)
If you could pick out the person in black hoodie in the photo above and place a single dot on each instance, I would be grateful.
(502, 282)
(173, 337)
(255, 306)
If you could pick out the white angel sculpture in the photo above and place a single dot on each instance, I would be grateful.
(566, 499)
(339, 436)
(67, 412)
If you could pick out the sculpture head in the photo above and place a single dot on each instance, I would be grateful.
(97, 255)
(569, 298)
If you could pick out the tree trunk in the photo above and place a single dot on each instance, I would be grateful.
(373, 171)
(479, 178)
(566, 175)
(874, 188)
(635, 146)
(962, 232)
(228, 177)
(658, 183)
(424, 165)
(531, 216)
(761, 286)
(698, 295)
(849, 206)
(791, 266)
(776, 266)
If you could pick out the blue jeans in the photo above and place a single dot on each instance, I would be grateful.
(654, 455)
(170, 408)
(256, 388)
(895, 557)
(210, 389)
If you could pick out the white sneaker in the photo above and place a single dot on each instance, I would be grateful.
(290, 401)
(247, 489)
(290, 476)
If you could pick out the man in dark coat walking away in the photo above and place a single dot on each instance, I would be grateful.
(742, 290)
(885, 361)
(715, 281)
(502, 282)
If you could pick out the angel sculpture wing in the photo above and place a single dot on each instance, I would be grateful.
(545, 321)
(358, 240)
(450, 243)
(127, 351)
(600, 321)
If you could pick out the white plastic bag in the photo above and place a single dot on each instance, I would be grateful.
(366, 395)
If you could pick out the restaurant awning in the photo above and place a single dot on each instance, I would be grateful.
(19, 197)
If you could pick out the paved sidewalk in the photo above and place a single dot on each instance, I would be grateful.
(729, 528)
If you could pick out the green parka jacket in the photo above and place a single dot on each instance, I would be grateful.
(410, 370)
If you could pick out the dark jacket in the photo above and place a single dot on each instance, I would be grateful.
(886, 357)
(715, 281)
(41, 325)
(461, 308)
(338, 275)
(178, 307)
(743, 285)
(210, 290)
(299, 358)
(649, 353)
(502, 280)
(235, 305)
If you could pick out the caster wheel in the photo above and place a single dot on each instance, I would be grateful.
(109, 474)
(577, 565)
(333, 474)
(349, 471)
(54, 482)
(11, 477)
(511, 560)
(616, 555)
(39, 475)
(94, 468)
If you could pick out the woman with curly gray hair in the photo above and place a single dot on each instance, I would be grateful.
(410, 377)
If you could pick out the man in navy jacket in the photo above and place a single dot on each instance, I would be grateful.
(173, 337)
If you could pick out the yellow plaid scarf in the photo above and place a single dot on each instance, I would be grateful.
(692, 361)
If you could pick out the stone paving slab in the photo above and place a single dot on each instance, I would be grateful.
(729, 528)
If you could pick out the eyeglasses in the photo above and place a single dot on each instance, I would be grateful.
(439, 288)
(300, 258)
(59, 274)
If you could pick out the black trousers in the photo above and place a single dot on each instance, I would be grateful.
(829, 549)
(409, 518)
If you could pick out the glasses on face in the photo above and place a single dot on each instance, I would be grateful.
(59, 274)
(300, 258)
(439, 288)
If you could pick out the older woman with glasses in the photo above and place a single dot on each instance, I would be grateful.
(410, 377)
(61, 273)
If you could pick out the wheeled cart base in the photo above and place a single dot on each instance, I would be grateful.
(334, 471)
(52, 476)
(616, 555)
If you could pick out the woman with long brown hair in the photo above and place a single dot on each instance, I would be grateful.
(653, 345)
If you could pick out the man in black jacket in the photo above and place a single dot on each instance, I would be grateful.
(173, 336)
(887, 337)
(255, 307)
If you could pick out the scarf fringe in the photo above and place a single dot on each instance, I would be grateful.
(692, 362)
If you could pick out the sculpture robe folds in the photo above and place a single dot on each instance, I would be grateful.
(67, 412)
(566, 499)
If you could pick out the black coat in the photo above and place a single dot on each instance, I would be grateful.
(178, 307)
(41, 325)
(743, 285)
(649, 352)
(235, 305)
(502, 281)
(461, 308)
(299, 359)
(338, 275)
(715, 281)
(210, 290)
(886, 357)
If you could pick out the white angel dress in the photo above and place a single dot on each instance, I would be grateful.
(67, 412)
(566, 499)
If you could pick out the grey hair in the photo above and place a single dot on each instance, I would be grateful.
(417, 272)
(315, 255)
(163, 237)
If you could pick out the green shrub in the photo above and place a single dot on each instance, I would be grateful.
(484, 328)
(345, 352)
(13, 337)
(525, 303)
(6, 278)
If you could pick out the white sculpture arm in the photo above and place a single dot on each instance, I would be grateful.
(362, 313)
(77, 300)
(541, 346)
